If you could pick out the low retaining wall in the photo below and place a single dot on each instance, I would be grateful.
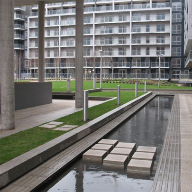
(19, 166)
(31, 94)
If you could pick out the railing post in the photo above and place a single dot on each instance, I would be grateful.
(136, 89)
(145, 88)
(94, 82)
(68, 85)
(85, 106)
(118, 94)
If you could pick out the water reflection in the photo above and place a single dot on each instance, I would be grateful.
(147, 128)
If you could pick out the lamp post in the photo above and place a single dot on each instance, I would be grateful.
(101, 68)
(161, 55)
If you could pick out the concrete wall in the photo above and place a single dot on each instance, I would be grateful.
(32, 94)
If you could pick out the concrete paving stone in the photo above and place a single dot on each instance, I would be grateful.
(143, 156)
(15, 188)
(69, 126)
(108, 142)
(62, 129)
(127, 145)
(94, 155)
(55, 123)
(48, 126)
(147, 149)
(115, 161)
(139, 168)
(121, 151)
(103, 147)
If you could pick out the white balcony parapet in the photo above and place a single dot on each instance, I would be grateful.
(162, 65)
(140, 64)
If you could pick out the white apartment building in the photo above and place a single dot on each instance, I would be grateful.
(188, 33)
(124, 37)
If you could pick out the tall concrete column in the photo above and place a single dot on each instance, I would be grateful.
(7, 64)
(41, 33)
(79, 55)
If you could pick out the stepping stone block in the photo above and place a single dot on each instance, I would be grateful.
(62, 129)
(139, 168)
(147, 149)
(94, 155)
(121, 151)
(55, 123)
(115, 161)
(143, 156)
(69, 126)
(103, 147)
(48, 126)
(108, 142)
(127, 145)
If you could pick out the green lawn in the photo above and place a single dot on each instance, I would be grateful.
(61, 86)
(19, 143)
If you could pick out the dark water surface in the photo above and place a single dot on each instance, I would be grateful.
(147, 128)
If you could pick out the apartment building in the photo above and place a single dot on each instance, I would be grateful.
(19, 41)
(127, 38)
(188, 33)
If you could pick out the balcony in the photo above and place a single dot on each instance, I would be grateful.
(162, 65)
(68, 33)
(188, 63)
(140, 65)
(68, 54)
(19, 36)
(68, 44)
(19, 46)
(19, 26)
(19, 16)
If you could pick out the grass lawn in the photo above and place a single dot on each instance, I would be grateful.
(61, 86)
(19, 143)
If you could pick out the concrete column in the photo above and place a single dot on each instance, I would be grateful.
(85, 106)
(94, 82)
(7, 64)
(79, 55)
(136, 89)
(145, 88)
(118, 94)
(41, 36)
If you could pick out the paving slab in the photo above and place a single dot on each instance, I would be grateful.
(48, 126)
(127, 145)
(108, 142)
(55, 123)
(62, 129)
(94, 155)
(115, 161)
(69, 126)
(139, 168)
(143, 156)
(104, 147)
(147, 149)
(121, 151)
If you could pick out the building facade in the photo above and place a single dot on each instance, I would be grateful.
(127, 38)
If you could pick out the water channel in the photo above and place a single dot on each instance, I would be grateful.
(147, 128)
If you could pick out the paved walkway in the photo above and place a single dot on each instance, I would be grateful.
(34, 116)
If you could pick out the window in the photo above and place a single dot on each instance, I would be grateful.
(36, 43)
(136, 17)
(87, 30)
(109, 18)
(147, 39)
(176, 51)
(122, 51)
(70, 31)
(48, 22)
(56, 32)
(86, 41)
(136, 51)
(175, 74)
(122, 40)
(176, 6)
(160, 16)
(160, 50)
(176, 63)
(106, 40)
(147, 50)
(56, 21)
(122, 29)
(48, 32)
(176, 28)
(56, 42)
(147, 16)
(122, 18)
(160, 39)
(136, 39)
(70, 21)
(176, 40)
(87, 52)
(177, 17)
(136, 28)
(147, 28)
(160, 27)
(36, 23)
(87, 20)
(109, 29)
(48, 53)
(36, 33)
(70, 52)
(70, 42)
(56, 53)
(48, 43)
(108, 51)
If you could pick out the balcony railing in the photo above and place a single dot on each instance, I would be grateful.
(162, 65)
(19, 46)
(140, 65)
(18, 36)
(19, 26)
(189, 58)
